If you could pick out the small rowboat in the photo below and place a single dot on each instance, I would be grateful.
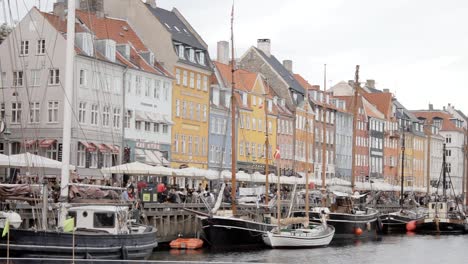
(186, 243)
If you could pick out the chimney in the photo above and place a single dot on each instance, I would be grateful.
(351, 83)
(386, 90)
(223, 52)
(431, 107)
(153, 3)
(370, 83)
(265, 46)
(288, 64)
(60, 9)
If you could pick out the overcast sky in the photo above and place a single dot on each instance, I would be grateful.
(418, 49)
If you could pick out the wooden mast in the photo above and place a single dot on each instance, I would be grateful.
(233, 121)
(307, 126)
(355, 122)
(428, 163)
(324, 138)
(267, 150)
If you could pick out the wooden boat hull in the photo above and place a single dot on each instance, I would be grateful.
(226, 232)
(284, 240)
(347, 225)
(49, 244)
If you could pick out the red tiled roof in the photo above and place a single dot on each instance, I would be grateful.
(447, 125)
(303, 82)
(60, 24)
(382, 101)
(245, 80)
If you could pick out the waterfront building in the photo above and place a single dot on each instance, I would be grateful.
(147, 115)
(285, 137)
(343, 139)
(451, 128)
(253, 98)
(33, 75)
(183, 52)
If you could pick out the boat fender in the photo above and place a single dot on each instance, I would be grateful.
(358, 231)
(411, 226)
(368, 225)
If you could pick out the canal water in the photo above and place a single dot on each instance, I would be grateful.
(392, 249)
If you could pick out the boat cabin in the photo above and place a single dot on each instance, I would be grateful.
(437, 209)
(106, 218)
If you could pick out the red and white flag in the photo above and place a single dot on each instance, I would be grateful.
(277, 154)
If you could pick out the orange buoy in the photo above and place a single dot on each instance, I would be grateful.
(411, 226)
(186, 243)
(358, 231)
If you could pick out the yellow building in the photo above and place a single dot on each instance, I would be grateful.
(190, 111)
(419, 158)
(257, 114)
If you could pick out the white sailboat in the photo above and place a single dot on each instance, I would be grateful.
(294, 236)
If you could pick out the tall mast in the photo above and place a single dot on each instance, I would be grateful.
(355, 122)
(428, 163)
(444, 173)
(267, 150)
(68, 100)
(67, 110)
(307, 126)
(403, 143)
(324, 132)
(233, 121)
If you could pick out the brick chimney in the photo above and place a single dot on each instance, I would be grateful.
(288, 64)
(60, 9)
(223, 52)
(431, 107)
(93, 6)
(265, 46)
(386, 90)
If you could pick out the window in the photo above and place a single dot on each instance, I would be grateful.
(147, 87)
(52, 152)
(156, 128)
(198, 81)
(105, 115)
(203, 143)
(24, 48)
(82, 113)
(191, 108)
(205, 83)
(94, 160)
(241, 148)
(53, 112)
(201, 58)
(157, 88)
(81, 155)
(189, 147)
(35, 77)
(116, 117)
(127, 118)
(177, 108)
(104, 220)
(184, 109)
(192, 55)
(166, 91)
(2, 111)
(205, 113)
(192, 80)
(34, 109)
(147, 126)
(181, 51)
(94, 114)
(18, 78)
(129, 83)
(165, 129)
(16, 113)
(41, 47)
(138, 85)
(195, 146)
(176, 143)
(184, 79)
(83, 78)
(448, 139)
(178, 76)
(54, 76)
(183, 144)
(448, 152)
(197, 112)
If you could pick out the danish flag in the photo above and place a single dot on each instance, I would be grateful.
(277, 154)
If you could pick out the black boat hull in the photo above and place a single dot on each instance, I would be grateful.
(450, 227)
(224, 232)
(50, 244)
(395, 223)
(349, 226)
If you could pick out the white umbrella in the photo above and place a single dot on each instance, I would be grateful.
(5, 161)
(136, 167)
(34, 161)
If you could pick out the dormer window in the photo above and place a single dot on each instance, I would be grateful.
(270, 106)
(201, 57)
(180, 49)
(244, 99)
(192, 55)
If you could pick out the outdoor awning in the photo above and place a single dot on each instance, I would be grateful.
(154, 117)
(89, 146)
(29, 143)
(155, 157)
(104, 148)
(34, 161)
(46, 143)
(140, 116)
(113, 148)
(167, 120)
